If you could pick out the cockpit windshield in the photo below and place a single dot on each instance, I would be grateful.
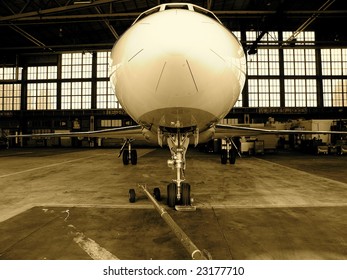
(181, 6)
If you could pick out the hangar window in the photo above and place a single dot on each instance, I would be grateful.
(238, 103)
(334, 62)
(76, 65)
(10, 73)
(300, 92)
(42, 96)
(76, 95)
(103, 64)
(105, 97)
(111, 123)
(264, 92)
(302, 38)
(263, 71)
(237, 34)
(266, 61)
(335, 92)
(299, 62)
(42, 72)
(10, 97)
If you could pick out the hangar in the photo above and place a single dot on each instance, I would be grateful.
(54, 78)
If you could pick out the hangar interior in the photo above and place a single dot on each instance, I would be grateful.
(74, 203)
(54, 59)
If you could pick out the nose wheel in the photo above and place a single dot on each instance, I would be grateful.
(172, 195)
(186, 194)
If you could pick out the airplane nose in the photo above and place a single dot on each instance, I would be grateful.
(176, 77)
(177, 59)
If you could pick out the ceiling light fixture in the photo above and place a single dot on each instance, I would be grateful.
(78, 2)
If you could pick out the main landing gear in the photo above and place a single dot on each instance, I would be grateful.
(129, 154)
(229, 151)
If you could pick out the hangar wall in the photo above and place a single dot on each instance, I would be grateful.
(55, 91)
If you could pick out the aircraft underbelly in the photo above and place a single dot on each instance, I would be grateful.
(178, 117)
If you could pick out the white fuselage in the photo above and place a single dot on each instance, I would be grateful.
(177, 68)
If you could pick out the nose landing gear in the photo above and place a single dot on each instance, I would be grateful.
(178, 192)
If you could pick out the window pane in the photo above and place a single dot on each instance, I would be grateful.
(264, 92)
(10, 97)
(42, 96)
(300, 92)
(76, 95)
(106, 99)
(103, 62)
(300, 62)
(77, 65)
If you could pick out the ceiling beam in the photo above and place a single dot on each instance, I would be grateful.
(107, 22)
(71, 7)
(22, 32)
(24, 7)
(97, 46)
(288, 12)
(29, 37)
(310, 20)
(235, 13)
(209, 4)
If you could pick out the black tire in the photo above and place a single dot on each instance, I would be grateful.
(224, 157)
(185, 194)
(132, 196)
(125, 157)
(156, 193)
(171, 194)
(232, 158)
(133, 157)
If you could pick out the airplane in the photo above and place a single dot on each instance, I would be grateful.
(177, 71)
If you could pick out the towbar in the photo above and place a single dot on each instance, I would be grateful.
(193, 251)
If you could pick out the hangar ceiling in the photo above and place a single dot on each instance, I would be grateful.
(28, 26)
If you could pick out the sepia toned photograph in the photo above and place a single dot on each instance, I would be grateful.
(168, 130)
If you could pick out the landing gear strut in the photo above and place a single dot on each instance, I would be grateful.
(178, 192)
(129, 155)
(229, 152)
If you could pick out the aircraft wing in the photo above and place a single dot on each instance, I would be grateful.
(222, 130)
(127, 132)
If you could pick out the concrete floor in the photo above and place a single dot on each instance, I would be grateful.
(73, 204)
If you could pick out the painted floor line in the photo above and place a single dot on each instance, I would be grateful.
(60, 163)
(45, 166)
(92, 205)
(16, 211)
(93, 249)
(265, 206)
(301, 171)
(16, 154)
